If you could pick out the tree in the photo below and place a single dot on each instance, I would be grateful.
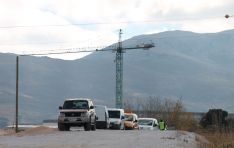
(214, 118)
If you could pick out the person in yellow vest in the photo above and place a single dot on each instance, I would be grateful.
(162, 125)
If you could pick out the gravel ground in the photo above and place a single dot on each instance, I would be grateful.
(98, 139)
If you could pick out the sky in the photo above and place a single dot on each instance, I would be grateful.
(42, 26)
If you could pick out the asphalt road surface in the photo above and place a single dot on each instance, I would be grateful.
(99, 139)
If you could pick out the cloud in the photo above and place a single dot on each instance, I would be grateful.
(213, 25)
(197, 16)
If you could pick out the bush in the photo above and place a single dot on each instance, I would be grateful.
(215, 119)
(171, 111)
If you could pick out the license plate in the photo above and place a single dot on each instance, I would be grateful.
(73, 119)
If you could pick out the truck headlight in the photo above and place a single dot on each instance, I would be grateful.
(62, 115)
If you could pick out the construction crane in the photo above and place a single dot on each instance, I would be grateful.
(119, 62)
(119, 69)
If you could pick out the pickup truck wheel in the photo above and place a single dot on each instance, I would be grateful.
(61, 127)
(87, 125)
(93, 126)
(67, 128)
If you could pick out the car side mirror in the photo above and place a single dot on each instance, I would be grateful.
(60, 107)
(91, 107)
(122, 117)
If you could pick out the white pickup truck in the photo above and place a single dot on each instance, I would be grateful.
(77, 112)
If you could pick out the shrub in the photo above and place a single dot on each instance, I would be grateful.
(171, 111)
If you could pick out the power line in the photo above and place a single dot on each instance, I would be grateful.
(86, 41)
(45, 43)
(109, 23)
(89, 40)
(51, 53)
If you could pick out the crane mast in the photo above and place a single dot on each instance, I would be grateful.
(119, 68)
(119, 73)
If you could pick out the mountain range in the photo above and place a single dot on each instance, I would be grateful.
(196, 67)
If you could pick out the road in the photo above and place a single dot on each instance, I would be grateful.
(101, 139)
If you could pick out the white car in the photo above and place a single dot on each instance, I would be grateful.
(147, 124)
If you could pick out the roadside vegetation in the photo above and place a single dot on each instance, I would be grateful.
(214, 125)
(171, 111)
(218, 129)
(217, 139)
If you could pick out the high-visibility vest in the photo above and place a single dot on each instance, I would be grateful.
(162, 125)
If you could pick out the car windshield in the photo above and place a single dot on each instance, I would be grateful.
(128, 117)
(145, 122)
(114, 114)
(75, 104)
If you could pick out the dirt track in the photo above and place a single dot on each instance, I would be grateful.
(50, 138)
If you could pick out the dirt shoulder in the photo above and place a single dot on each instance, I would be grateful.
(41, 130)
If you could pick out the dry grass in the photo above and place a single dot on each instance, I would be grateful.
(173, 112)
(28, 132)
(186, 122)
(217, 139)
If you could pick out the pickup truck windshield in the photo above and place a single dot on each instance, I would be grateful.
(75, 104)
(114, 114)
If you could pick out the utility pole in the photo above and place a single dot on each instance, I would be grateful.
(119, 68)
(17, 94)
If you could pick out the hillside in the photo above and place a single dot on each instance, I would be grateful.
(197, 67)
